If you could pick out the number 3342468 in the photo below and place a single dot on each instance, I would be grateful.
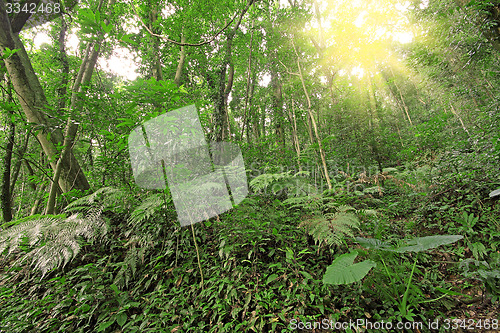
(32, 8)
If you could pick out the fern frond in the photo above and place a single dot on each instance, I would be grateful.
(313, 202)
(331, 228)
(56, 238)
(104, 198)
(133, 258)
(149, 207)
(295, 184)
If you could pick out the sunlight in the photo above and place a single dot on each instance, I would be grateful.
(360, 36)
(265, 80)
(403, 37)
(41, 38)
(120, 63)
(360, 19)
(358, 72)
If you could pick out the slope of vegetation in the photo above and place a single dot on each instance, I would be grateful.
(370, 134)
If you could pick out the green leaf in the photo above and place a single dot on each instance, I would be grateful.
(420, 244)
(121, 318)
(343, 271)
(84, 308)
(271, 278)
(8, 52)
(105, 325)
(106, 28)
(372, 243)
(126, 39)
(495, 193)
(115, 288)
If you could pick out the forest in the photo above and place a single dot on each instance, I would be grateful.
(249, 166)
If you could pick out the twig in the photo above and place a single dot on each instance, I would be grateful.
(179, 43)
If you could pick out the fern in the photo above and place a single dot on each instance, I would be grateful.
(331, 228)
(53, 240)
(295, 184)
(105, 198)
(133, 258)
(330, 222)
(148, 208)
(313, 203)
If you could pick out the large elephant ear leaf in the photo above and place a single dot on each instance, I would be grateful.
(344, 271)
(420, 244)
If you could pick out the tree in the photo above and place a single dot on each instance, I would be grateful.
(34, 104)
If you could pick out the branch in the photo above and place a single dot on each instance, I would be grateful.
(286, 68)
(180, 43)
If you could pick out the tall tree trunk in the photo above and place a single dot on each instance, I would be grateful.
(220, 114)
(247, 90)
(6, 198)
(313, 121)
(402, 98)
(33, 101)
(20, 158)
(295, 138)
(182, 60)
(82, 80)
(153, 17)
(277, 105)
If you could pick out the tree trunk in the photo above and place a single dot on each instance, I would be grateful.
(6, 194)
(295, 138)
(277, 105)
(220, 113)
(247, 91)
(33, 101)
(182, 60)
(153, 17)
(83, 78)
(313, 121)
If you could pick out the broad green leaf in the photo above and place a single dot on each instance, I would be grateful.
(105, 325)
(343, 271)
(372, 243)
(271, 278)
(115, 288)
(420, 244)
(495, 193)
(121, 318)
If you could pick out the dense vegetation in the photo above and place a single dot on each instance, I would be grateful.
(370, 132)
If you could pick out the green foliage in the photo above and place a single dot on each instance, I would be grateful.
(52, 241)
(417, 244)
(276, 183)
(104, 199)
(344, 271)
(332, 228)
(150, 206)
(487, 273)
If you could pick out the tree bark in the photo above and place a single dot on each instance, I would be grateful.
(6, 198)
(247, 90)
(33, 102)
(83, 78)
(277, 105)
(313, 121)
(157, 69)
(220, 113)
(182, 60)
